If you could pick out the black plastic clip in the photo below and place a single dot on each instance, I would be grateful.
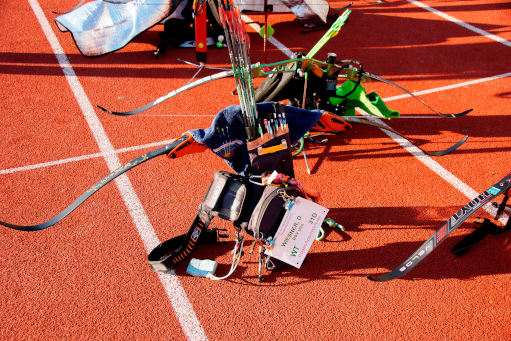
(502, 206)
(213, 236)
(478, 235)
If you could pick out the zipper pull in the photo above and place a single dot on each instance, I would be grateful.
(289, 201)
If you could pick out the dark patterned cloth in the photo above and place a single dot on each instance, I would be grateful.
(226, 136)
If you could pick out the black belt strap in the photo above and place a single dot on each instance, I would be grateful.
(174, 251)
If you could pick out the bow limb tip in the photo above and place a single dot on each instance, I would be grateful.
(450, 149)
(107, 111)
(463, 113)
(455, 115)
(341, 8)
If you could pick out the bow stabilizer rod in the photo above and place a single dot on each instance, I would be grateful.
(332, 32)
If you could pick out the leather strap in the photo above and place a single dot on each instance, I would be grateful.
(172, 252)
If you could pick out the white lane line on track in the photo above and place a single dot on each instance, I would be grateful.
(184, 311)
(83, 157)
(449, 87)
(461, 23)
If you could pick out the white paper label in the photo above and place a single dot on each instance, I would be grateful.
(297, 231)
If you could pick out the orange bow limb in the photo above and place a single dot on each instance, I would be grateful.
(329, 122)
(187, 146)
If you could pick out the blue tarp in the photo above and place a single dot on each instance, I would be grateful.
(100, 27)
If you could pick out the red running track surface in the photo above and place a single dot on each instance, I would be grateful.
(87, 278)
